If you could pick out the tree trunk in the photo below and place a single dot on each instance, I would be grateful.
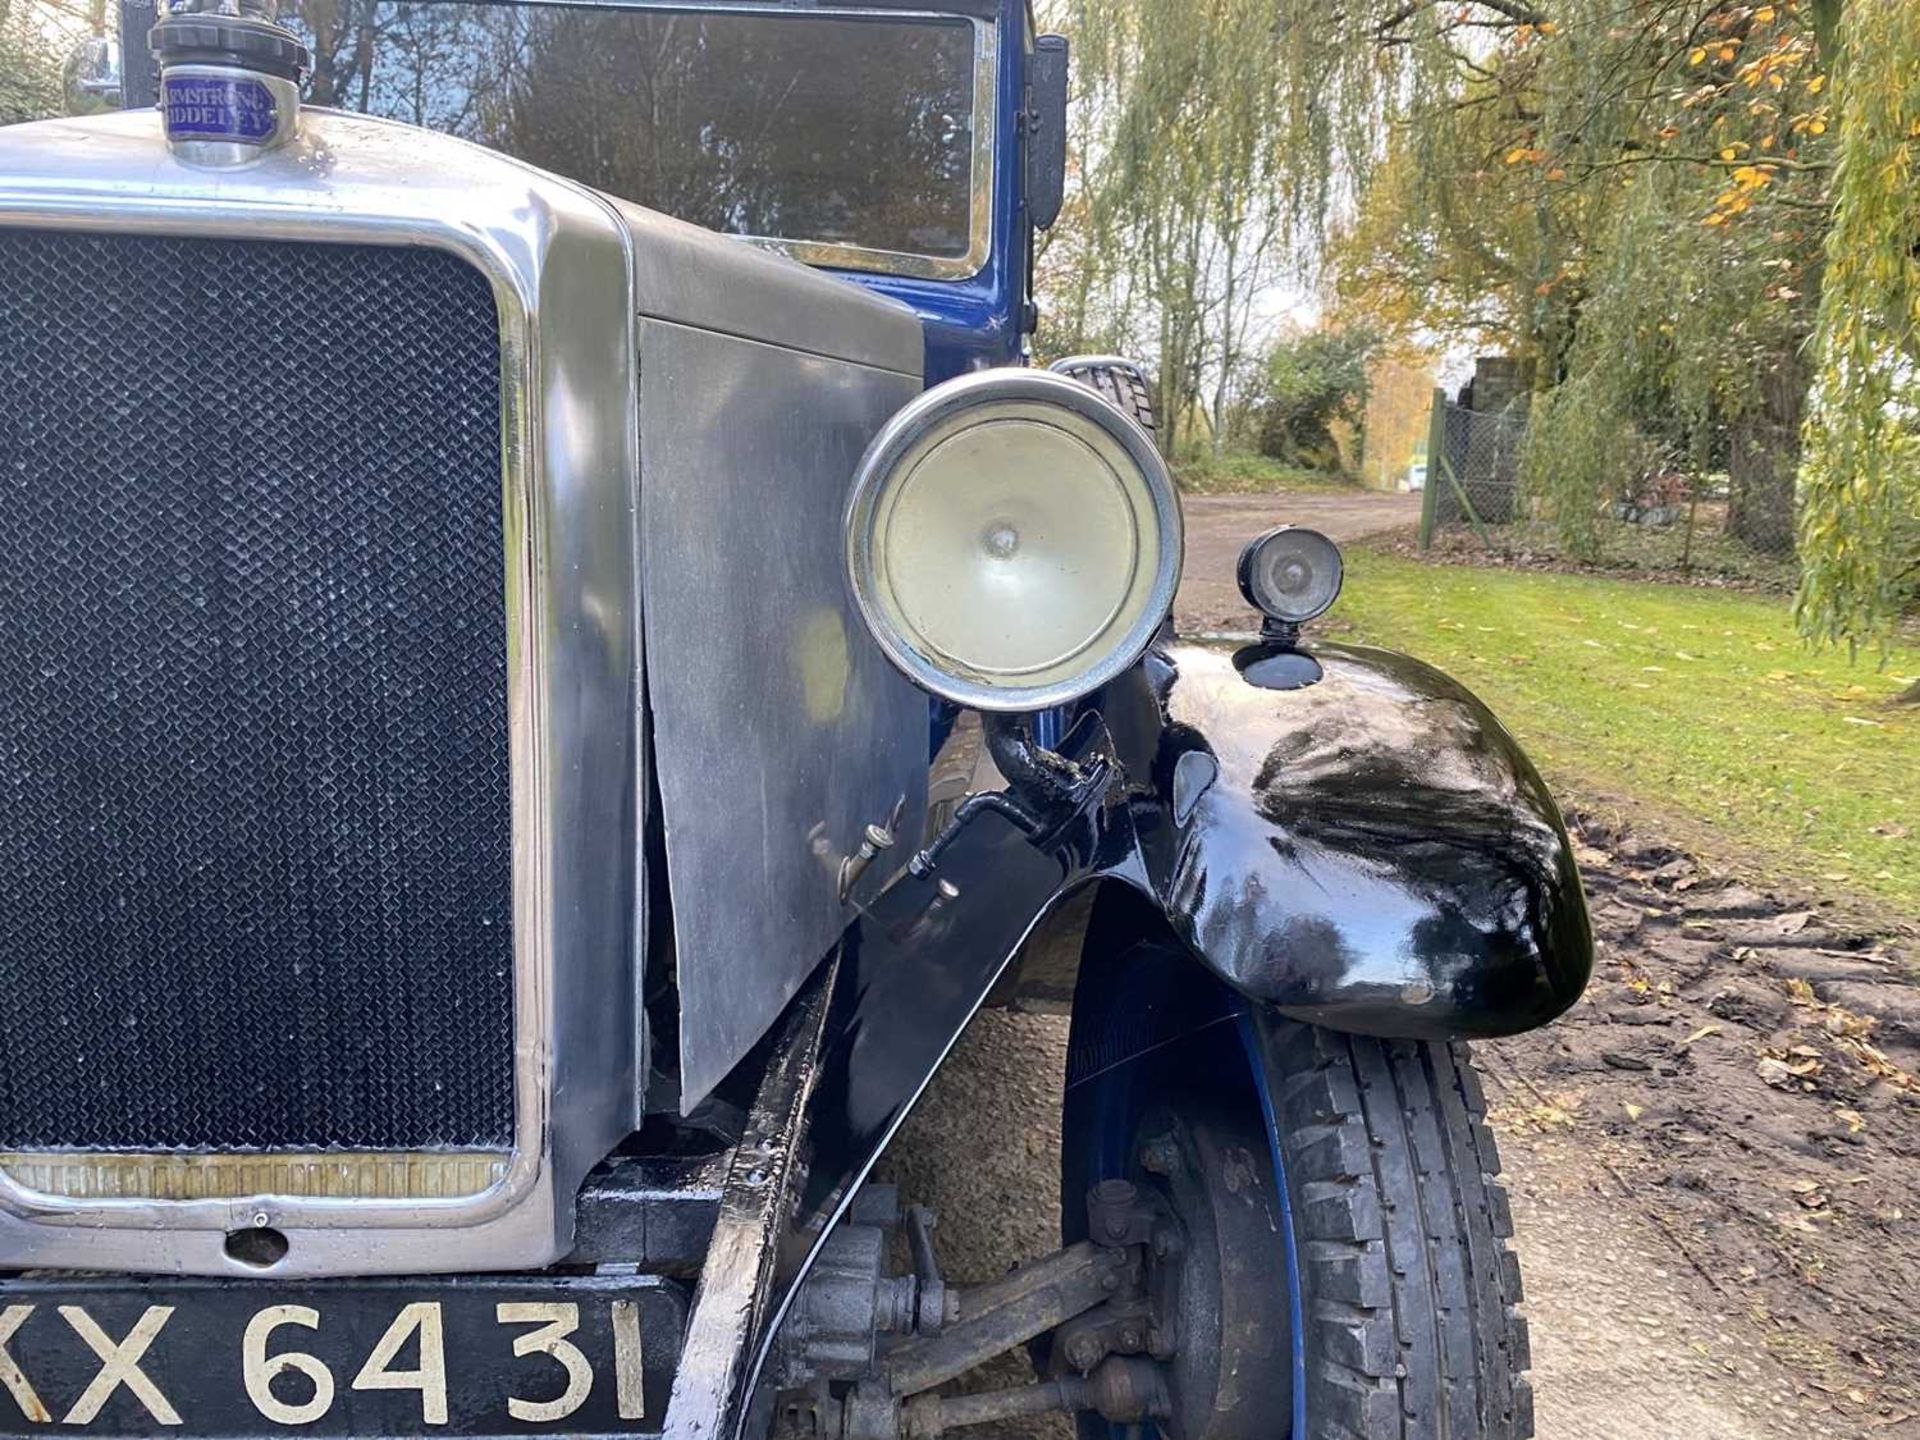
(1168, 400)
(1228, 340)
(1763, 462)
(325, 23)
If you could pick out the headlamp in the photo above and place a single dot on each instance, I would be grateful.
(1291, 574)
(1013, 540)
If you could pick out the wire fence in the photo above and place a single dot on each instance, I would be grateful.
(1735, 481)
(1473, 468)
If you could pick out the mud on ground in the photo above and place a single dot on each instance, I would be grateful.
(1731, 1114)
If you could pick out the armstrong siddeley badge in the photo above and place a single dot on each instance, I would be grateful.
(217, 107)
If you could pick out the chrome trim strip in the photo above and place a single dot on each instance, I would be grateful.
(193, 1175)
(561, 265)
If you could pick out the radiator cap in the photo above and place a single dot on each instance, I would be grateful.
(229, 79)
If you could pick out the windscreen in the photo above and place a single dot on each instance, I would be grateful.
(834, 130)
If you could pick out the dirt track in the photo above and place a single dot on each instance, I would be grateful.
(1219, 525)
(1714, 1159)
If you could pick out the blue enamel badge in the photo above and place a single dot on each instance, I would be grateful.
(217, 107)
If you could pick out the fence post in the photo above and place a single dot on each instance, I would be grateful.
(1436, 461)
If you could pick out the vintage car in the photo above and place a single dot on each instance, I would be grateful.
(557, 651)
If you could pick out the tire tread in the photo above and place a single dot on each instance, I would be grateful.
(1411, 1287)
(1125, 384)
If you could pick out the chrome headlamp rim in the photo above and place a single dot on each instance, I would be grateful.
(924, 414)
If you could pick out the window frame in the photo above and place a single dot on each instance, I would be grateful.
(839, 255)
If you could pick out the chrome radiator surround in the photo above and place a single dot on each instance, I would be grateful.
(560, 263)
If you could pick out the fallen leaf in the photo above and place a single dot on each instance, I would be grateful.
(1700, 1034)
(1877, 1062)
(1774, 1072)
(1634, 1112)
(1552, 1117)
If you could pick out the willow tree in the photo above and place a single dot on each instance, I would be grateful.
(1201, 161)
(31, 83)
(1660, 197)
(1860, 530)
(1650, 180)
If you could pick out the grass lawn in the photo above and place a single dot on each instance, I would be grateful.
(1698, 707)
(1249, 475)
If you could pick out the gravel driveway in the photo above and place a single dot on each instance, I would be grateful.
(1219, 525)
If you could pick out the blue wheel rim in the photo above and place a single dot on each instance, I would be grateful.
(1117, 1098)
(1262, 1081)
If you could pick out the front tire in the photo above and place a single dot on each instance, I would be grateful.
(1389, 1249)
(1408, 1287)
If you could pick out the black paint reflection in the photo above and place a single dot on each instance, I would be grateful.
(1376, 852)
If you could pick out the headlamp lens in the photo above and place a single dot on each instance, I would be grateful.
(1013, 540)
(1291, 574)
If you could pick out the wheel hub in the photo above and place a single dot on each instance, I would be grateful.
(1224, 1295)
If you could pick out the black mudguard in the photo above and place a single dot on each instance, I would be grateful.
(1370, 851)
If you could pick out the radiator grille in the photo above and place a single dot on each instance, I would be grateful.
(255, 886)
